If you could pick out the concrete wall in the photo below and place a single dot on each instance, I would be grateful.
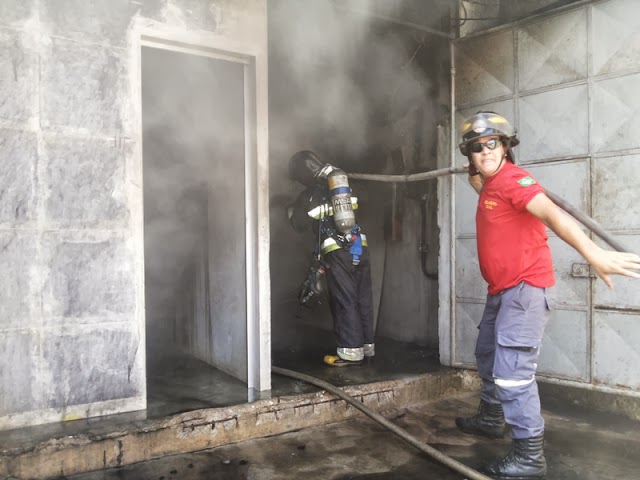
(72, 336)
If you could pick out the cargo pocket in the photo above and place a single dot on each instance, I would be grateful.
(516, 357)
(521, 342)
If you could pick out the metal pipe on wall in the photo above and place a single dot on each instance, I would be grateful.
(455, 32)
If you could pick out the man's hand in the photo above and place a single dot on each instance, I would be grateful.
(476, 181)
(607, 262)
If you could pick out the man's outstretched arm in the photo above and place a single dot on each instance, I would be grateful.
(604, 262)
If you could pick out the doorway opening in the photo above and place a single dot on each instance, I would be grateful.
(193, 123)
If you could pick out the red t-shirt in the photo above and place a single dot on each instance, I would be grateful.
(512, 243)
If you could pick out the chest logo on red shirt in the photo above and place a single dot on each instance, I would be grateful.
(489, 204)
(526, 181)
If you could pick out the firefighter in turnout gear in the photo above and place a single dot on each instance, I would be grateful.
(339, 253)
(512, 217)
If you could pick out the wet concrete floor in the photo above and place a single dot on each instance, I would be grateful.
(180, 383)
(581, 444)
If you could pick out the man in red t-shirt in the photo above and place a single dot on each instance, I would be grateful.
(511, 219)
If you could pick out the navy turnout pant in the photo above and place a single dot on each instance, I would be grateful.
(507, 354)
(350, 298)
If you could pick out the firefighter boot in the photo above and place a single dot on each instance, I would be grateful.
(336, 361)
(345, 357)
(525, 461)
(489, 422)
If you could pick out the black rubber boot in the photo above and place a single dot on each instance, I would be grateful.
(525, 461)
(489, 422)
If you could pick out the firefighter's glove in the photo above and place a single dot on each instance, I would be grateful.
(313, 287)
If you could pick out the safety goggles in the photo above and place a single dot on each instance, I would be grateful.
(490, 144)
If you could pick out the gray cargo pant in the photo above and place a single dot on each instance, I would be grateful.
(507, 353)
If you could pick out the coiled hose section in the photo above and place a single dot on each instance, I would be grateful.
(468, 472)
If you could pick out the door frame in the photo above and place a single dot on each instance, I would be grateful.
(254, 61)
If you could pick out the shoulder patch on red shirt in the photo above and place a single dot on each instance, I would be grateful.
(526, 181)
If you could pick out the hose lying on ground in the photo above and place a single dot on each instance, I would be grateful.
(468, 472)
(583, 218)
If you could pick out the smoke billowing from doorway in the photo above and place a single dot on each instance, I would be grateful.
(357, 82)
(193, 123)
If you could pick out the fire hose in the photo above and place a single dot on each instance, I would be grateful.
(587, 221)
(468, 472)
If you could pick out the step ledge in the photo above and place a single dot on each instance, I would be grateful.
(197, 430)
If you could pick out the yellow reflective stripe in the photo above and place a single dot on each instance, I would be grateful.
(328, 241)
(320, 211)
(329, 245)
(331, 248)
